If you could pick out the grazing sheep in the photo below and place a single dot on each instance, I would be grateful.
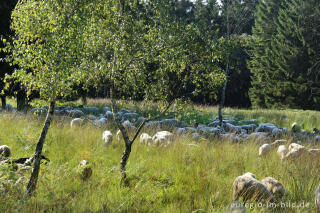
(276, 132)
(274, 186)
(76, 122)
(145, 139)
(236, 207)
(282, 151)
(75, 113)
(317, 199)
(190, 130)
(181, 131)
(129, 127)
(162, 138)
(295, 146)
(106, 109)
(5, 152)
(249, 174)
(107, 137)
(85, 170)
(264, 149)
(295, 151)
(266, 127)
(108, 115)
(295, 127)
(249, 188)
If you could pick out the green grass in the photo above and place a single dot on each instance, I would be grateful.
(180, 178)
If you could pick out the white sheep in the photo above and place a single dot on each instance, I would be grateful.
(264, 149)
(107, 137)
(162, 138)
(296, 146)
(295, 151)
(282, 151)
(249, 188)
(274, 186)
(317, 199)
(145, 139)
(76, 122)
(84, 170)
(5, 152)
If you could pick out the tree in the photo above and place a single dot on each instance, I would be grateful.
(294, 50)
(6, 6)
(237, 18)
(123, 38)
(45, 42)
(284, 55)
(260, 44)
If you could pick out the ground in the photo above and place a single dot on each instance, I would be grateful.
(185, 177)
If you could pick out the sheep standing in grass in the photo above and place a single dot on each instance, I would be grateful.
(282, 151)
(317, 199)
(5, 152)
(249, 188)
(76, 122)
(85, 170)
(274, 186)
(145, 139)
(264, 149)
(107, 137)
(162, 138)
(295, 151)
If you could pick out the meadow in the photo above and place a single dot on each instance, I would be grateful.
(188, 176)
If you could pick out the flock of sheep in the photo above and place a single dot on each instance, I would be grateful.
(245, 186)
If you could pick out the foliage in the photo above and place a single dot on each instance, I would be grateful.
(284, 53)
(45, 46)
(6, 6)
(146, 47)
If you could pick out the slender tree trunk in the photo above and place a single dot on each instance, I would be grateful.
(3, 102)
(124, 160)
(37, 157)
(223, 93)
(128, 143)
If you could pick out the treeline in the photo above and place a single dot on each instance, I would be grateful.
(272, 48)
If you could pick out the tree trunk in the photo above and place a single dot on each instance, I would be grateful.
(37, 157)
(223, 98)
(3, 102)
(223, 93)
(84, 99)
(124, 160)
(124, 132)
(21, 99)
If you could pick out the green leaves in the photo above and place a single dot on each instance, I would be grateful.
(46, 46)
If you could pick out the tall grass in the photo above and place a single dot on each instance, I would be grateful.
(185, 177)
